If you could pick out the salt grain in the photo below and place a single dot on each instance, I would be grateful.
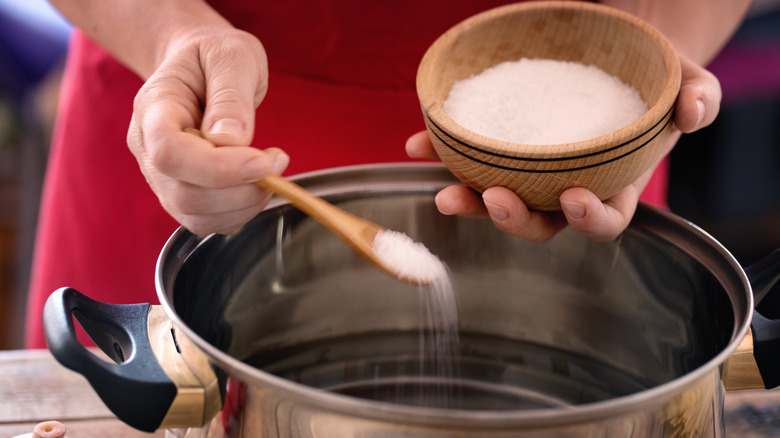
(543, 101)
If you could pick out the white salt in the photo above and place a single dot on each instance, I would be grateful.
(411, 260)
(543, 101)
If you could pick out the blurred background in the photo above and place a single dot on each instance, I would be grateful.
(726, 178)
(33, 44)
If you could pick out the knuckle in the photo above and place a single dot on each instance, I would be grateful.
(162, 157)
(226, 96)
(153, 89)
(134, 138)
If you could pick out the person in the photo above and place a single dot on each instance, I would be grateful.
(274, 86)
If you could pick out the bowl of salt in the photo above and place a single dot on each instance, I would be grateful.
(540, 97)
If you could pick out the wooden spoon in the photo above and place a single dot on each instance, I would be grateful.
(357, 232)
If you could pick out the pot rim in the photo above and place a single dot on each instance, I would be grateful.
(672, 227)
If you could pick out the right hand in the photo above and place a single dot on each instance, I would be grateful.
(697, 105)
(213, 80)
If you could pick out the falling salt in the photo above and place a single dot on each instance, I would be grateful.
(439, 344)
(439, 334)
(543, 101)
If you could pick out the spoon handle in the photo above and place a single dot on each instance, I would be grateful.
(357, 232)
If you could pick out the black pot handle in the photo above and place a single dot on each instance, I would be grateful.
(764, 276)
(135, 388)
(765, 325)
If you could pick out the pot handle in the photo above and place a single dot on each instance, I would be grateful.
(765, 325)
(756, 361)
(764, 275)
(159, 378)
(135, 388)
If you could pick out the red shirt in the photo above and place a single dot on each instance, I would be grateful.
(341, 91)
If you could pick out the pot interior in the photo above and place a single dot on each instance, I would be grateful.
(539, 325)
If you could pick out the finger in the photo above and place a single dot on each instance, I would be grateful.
(195, 160)
(460, 200)
(698, 102)
(235, 86)
(598, 221)
(511, 215)
(419, 146)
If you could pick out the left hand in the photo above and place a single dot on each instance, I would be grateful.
(698, 104)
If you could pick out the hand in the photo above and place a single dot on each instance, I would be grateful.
(697, 105)
(214, 82)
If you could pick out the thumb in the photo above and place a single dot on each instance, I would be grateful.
(235, 85)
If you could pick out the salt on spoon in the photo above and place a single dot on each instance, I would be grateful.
(391, 251)
(410, 259)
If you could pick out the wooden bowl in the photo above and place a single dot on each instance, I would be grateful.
(614, 41)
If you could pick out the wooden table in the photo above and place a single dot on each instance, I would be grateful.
(35, 388)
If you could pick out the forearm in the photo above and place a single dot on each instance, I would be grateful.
(697, 28)
(139, 33)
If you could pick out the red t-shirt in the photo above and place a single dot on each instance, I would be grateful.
(341, 91)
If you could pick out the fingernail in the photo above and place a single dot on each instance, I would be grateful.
(496, 212)
(226, 126)
(254, 169)
(573, 209)
(280, 162)
(700, 108)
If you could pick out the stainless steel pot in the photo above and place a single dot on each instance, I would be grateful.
(279, 330)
